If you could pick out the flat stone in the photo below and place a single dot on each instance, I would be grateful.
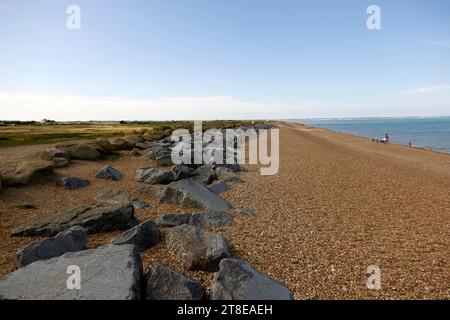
(70, 240)
(237, 280)
(166, 283)
(192, 194)
(107, 273)
(143, 236)
(94, 218)
(72, 183)
(109, 173)
(114, 196)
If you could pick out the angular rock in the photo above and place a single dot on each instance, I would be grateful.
(216, 249)
(138, 204)
(58, 153)
(94, 218)
(154, 176)
(205, 174)
(59, 162)
(151, 190)
(81, 151)
(165, 283)
(218, 187)
(158, 150)
(237, 280)
(114, 196)
(107, 273)
(187, 244)
(135, 152)
(142, 145)
(211, 219)
(182, 172)
(70, 240)
(169, 220)
(121, 144)
(164, 160)
(20, 171)
(143, 236)
(191, 194)
(109, 173)
(102, 145)
(72, 183)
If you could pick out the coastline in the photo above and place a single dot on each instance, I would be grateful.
(339, 204)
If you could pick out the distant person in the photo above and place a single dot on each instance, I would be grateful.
(385, 139)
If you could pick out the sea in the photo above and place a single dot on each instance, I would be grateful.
(427, 132)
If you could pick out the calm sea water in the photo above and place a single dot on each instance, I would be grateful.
(422, 132)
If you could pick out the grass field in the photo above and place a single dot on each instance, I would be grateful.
(28, 134)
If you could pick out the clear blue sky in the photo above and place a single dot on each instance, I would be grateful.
(279, 59)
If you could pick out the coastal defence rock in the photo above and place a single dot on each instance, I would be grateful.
(237, 280)
(70, 240)
(182, 172)
(211, 219)
(187, 244)
(170, 220)
(109, 173)
(205, 174)
(154, 176)
(80, 151)
(192, 194)
(20, 171)
(94, 218)
(217, 187)
(143, 236)
(107, 273)
(195, 251)
(71, 183)
(165, 283)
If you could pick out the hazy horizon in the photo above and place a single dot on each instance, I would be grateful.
(178, 60)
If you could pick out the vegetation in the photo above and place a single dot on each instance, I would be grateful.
(26, 133)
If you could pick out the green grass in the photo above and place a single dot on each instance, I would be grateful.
(30, 134)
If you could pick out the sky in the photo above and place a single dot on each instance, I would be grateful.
(223, 59)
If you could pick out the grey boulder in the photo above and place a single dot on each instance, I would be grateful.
(181, 171)
(192, 194)
(143, 236)
(109, 173)
(211, 219)
(169, 220)
(237, 280)
(218, 187)
(71, 183)
(107, 273)
(216, 249)
(154, 176)
(114, 196)
(94, 218)
(70, 240)
(205, 174)
(165, 283)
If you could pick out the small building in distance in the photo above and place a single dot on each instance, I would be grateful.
(47, 122)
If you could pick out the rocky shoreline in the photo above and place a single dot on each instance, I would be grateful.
(115, 271)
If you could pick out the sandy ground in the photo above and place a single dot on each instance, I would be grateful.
(338, 204)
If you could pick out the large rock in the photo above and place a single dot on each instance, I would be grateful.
(159, 150)
(237, 280)
(188, 246)
(121, 144)
(216, 249)
(71, 183)
(165, 283)
(143, 236)
(107, 273)
(195, 252)
(109, 173)
(81, 151)
(192, 194)
(154, 176)
(58, 153)
(70, 240)
(102, 145)
(169, 220)
(181, 171)
(20, 171)
(211, 219)
(94, 218)
(164, 160)
(205, 174)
